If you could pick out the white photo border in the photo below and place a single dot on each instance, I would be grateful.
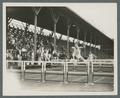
(37, 93)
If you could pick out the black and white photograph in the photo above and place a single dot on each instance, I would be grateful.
(59, 49)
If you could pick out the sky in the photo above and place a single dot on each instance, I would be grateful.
(103, 16)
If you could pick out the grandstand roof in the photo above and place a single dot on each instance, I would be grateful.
(45, 20)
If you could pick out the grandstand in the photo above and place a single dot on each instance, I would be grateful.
(87, 35)
(18, 38)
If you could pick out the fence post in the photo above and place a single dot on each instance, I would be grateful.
(43, 71)
(90, 72)
(65, 72)
(23, 71)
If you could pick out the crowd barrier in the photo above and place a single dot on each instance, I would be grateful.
(89, 66)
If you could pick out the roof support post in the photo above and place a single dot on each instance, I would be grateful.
(85, 34)
(78, 30)
(95, 47)
(55, 27)
(36, 12)
(55, 23)
(90, 42)
(68, 32)
(55, 20)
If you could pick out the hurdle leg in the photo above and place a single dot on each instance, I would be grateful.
(90, 73)
(23, 71)
(65, 72)
(43, 72)
(88, 69)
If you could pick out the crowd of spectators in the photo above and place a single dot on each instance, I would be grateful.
(20, 45)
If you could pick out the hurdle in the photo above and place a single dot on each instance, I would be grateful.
(22, 67)
(43, 71)
(12, 61)
(78, 64)
(61, 72)
(89, 66)
(38, 72)
(65, 71)
(105, 63)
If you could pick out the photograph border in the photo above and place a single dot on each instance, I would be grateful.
(60, 94)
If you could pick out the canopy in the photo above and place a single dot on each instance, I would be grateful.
(45, 20)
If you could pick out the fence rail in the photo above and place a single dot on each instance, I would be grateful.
(89, 65)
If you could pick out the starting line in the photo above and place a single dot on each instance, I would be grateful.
(89, 65)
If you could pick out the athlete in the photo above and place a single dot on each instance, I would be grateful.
(77, 52)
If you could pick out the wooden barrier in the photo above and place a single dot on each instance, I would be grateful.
(78, 73)
(65, 64)
(103, 64)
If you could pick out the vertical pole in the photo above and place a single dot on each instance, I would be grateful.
(55, 19)
(65, 72)
(90, 72)
(85, 41)
(90, 41)
(36, 12)
(95, 47)
(68, 32)
(43, 72)
(35, 36)
(23, 70)
(55, 23)
(78, 33)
